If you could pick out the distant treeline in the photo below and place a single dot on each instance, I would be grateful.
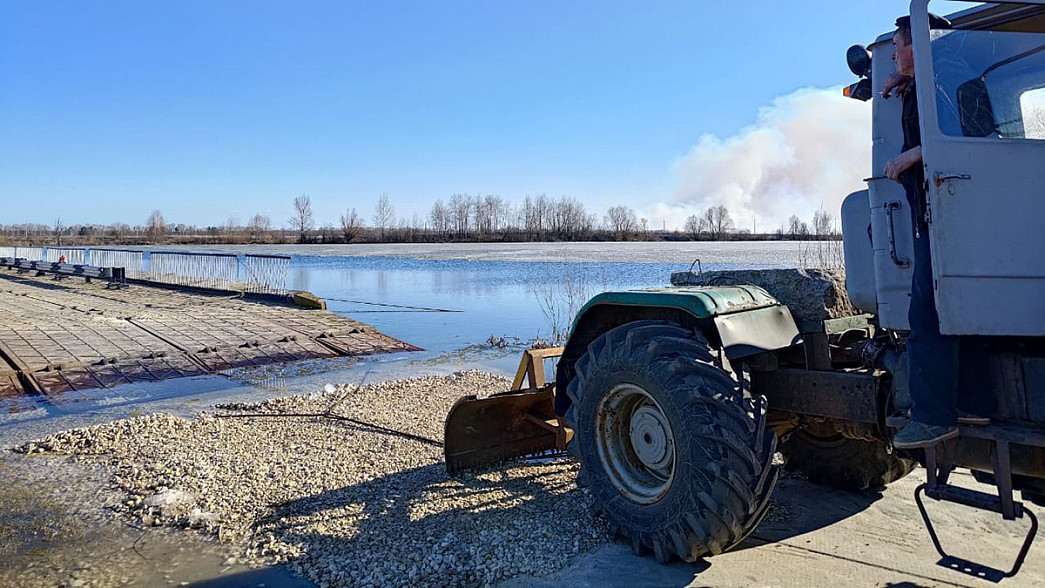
(463, 218)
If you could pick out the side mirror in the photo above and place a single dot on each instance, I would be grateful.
(859, 60)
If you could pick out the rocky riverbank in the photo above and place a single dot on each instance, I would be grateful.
(346, 486)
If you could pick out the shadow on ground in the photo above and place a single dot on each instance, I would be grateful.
(798, 507)
(522, 522)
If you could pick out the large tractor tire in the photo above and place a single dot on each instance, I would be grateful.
(841, 462)
(673, 450)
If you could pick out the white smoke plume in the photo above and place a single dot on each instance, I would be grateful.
(810, 148)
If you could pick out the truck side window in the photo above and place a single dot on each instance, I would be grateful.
(1032, 106)
(989, 84)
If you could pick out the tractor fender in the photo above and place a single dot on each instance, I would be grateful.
(741, 320)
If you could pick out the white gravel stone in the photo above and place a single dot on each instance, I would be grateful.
(168, 503)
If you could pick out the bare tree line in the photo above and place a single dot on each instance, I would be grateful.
(715, 222)
(462, 217)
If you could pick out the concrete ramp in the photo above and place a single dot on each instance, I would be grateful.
(60, 336)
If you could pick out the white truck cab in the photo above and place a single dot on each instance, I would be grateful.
(981, 100)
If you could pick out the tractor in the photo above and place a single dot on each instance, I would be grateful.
(682, 403)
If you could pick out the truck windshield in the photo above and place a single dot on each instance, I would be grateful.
(990, 84)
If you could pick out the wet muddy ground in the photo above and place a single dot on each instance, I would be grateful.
(57, 528)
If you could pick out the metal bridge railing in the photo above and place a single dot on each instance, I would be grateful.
(30, 253)
(198, 270)
(255, 274)
(266, 273)
(133, 262)
(74, 255)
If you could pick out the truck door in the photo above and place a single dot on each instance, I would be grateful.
(981, 96)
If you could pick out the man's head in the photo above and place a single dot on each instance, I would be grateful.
(903, 51)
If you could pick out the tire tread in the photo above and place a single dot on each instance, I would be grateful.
(734, 484)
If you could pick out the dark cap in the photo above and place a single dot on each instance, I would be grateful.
(935, 22)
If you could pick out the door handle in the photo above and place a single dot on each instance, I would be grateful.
(900, 262)
(940, 177)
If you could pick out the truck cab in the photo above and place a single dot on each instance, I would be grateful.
(981, 99)
(980, 88)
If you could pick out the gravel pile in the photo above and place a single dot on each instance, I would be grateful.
(345, 502)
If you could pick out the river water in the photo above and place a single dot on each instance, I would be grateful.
(518, 290)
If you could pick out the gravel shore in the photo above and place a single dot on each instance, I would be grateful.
(365, 501)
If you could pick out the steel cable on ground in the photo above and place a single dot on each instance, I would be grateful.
(419, 308)
(330, 414)
(336, 417)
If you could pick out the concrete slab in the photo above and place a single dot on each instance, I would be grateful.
(817, 537)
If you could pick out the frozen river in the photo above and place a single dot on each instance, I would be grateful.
(515, 290)
(744, 253)
(523, 291)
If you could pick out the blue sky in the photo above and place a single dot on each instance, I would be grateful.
(207, 110)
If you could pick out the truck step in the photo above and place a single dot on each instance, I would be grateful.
(970, 498)
(1020, 433)
(974, 499)
(939, 462)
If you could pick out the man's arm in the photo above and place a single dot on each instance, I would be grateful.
(896, 81)
(903, 162)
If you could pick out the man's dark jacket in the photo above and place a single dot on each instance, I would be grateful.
(914, 177)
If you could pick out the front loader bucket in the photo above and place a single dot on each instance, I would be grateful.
(511, 424)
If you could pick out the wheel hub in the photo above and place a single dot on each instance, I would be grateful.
(635, 443)
(649, 438)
